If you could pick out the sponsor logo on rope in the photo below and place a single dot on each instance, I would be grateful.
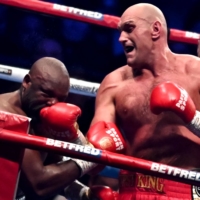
(5, 71)
(78, 148)
(177, 172)
(88, 89)
(77, 11)
(191, 35)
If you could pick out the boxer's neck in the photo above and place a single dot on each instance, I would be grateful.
(162, 61)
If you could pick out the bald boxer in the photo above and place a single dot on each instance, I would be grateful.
(42, 98)
(152, 100)
(46, 84)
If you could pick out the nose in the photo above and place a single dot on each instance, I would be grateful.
(52, 101)
(123, 37)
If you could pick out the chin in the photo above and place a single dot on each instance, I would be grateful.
(130, 62)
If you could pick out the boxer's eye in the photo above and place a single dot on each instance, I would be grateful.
(46, 93)
(129, 27)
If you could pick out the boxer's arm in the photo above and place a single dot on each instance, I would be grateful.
(42, 181)
(104, 103)
(105, 110)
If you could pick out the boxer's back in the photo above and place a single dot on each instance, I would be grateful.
(162, 138)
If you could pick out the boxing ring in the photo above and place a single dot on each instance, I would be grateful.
(24, 140)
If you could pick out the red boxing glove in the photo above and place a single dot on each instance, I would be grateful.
(60, 119)
(106, 136)
(101, 193)
(169, 96)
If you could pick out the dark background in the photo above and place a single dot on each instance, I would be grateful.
(88, 51)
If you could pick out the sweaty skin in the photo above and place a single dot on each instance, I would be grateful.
(46, 84)
(124, 94)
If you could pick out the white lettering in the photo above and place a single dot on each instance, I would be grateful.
(71, 146)
(90, 14)
(65, 145)
(191, 35)
(184, 173)
(87, 149)
(77, 11)
(170, 169)
(95, 151)
(176, 171)
(162, 169)
(50, 142)
(154, 167)
(197, 178)
(75, 147)
(79, 148)
(57, 143)
(192, 175)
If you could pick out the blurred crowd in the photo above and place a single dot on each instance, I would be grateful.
(89, 51)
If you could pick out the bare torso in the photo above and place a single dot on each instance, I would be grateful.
(161, 138)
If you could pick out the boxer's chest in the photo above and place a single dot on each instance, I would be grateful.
(132, 100)
(133, 97)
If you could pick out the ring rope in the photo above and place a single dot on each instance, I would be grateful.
(91, 17)
(101, 156)
(76, 86)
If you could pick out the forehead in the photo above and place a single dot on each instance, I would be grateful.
(130, 16)
(51, 80)
(55, 80)
(58, 87)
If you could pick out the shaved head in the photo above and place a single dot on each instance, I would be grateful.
(146, 12)
(48, 66)
(48, 82)
(143, 31)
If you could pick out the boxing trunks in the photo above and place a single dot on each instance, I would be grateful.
(138, 186)
(10, 154)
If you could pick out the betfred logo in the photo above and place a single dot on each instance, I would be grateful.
(191, 35)
(77, 11)
(74, 147)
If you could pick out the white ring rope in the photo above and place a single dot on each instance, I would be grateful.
(76, 86)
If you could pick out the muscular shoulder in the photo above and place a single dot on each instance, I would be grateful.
(192, 65)
(7, 105)
(117, 75)
(113, 79)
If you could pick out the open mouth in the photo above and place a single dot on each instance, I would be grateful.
(129, 48)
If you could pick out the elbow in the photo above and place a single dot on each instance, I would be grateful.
(36, 193)
(42, 191)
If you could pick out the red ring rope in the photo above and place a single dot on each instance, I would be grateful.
(101, 156)
(91, 17)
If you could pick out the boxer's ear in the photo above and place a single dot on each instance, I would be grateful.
(156, 29)
(26, 81)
